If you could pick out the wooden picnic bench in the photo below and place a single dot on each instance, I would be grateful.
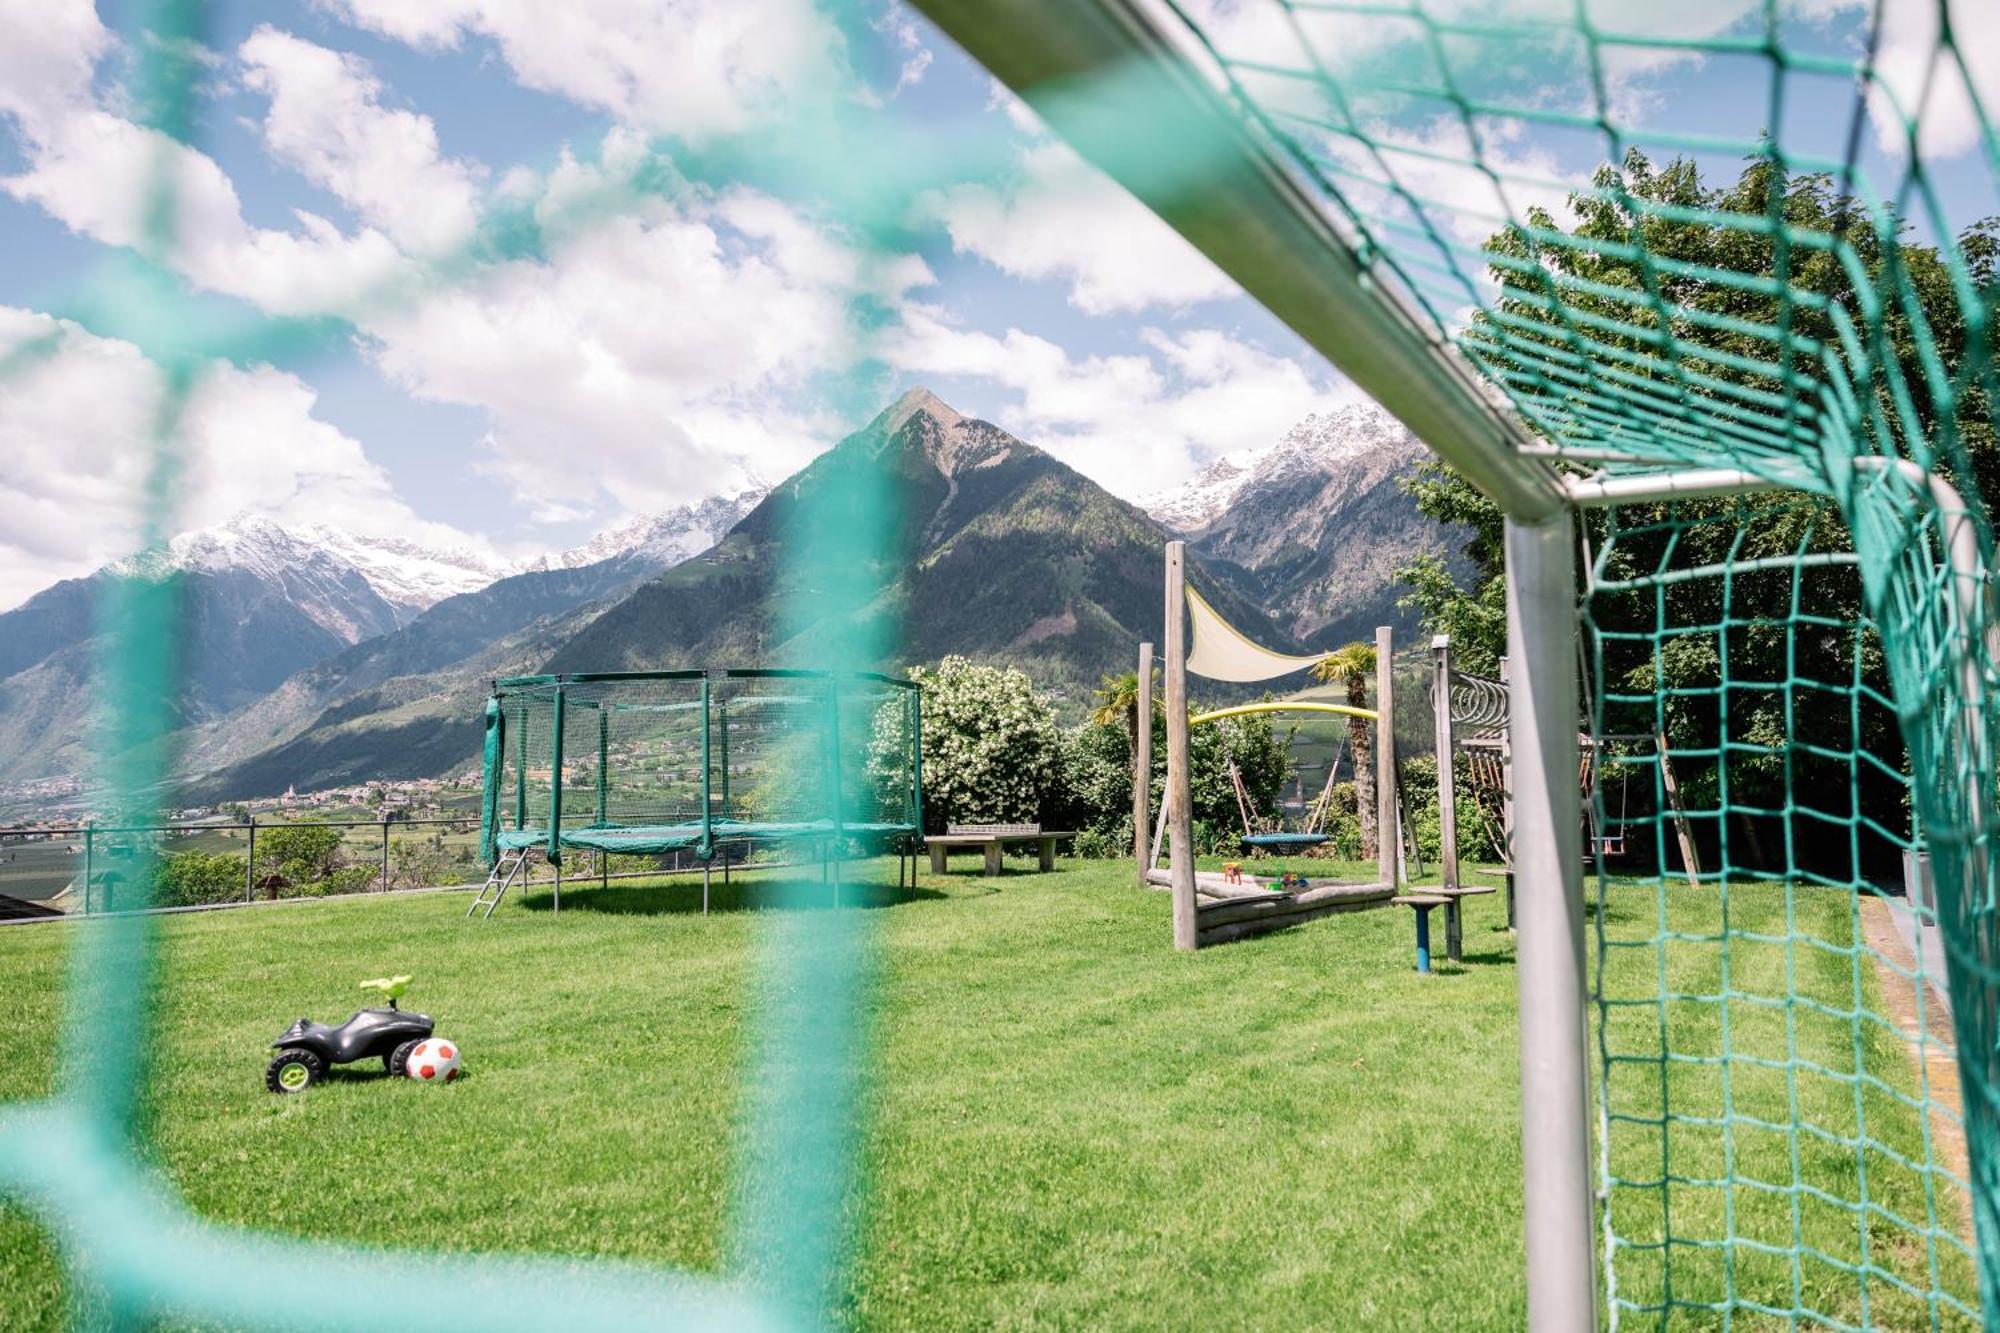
(993, 839)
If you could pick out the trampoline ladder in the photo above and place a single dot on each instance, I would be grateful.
(504, 870)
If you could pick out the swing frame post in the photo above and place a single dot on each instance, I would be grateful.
(1142, 764)
(1447, 760)
(1388, 821)
(1179, 817)
(1507, 792)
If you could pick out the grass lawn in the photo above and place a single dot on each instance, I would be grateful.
(1070, 1124)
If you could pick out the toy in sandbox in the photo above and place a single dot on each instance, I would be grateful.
(306, 1050)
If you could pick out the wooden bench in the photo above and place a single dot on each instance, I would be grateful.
(993, 839)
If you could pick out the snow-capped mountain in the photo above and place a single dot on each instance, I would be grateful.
(1193, 505)
(1316, 525)
(325, 569)
(262, 603)
(408, 574)
(1321, 445)
(663, 539)
(256, 602)
(330, 573)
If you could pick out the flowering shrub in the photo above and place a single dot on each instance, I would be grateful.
(992, 750)
(993, 753)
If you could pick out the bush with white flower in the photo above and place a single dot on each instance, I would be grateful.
(992, 749)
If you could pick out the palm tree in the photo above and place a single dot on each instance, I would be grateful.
(1118, 703)
(1353, 667)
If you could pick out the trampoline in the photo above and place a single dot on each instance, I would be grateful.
(642, 763)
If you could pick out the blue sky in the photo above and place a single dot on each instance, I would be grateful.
(682, 343)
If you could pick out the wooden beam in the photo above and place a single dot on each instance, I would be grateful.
(1240, 930)
(1142, 765)
(1180, 817)
(1447, 755)
(1682, 831)
(1387, 830)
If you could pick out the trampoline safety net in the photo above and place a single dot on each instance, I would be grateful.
(649, 762)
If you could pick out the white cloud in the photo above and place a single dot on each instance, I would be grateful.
(94, 172)
(902, 30)
(685, 67)
(327, 120)
(76, 428)
(1063, 219)
(97, 173)
(1133, 423)
(646, 355)
(644, 359)
(49, 54)
(1472, 192)
(1920, 79)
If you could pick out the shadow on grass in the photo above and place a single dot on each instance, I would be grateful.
(371, 1070)
(740, 895)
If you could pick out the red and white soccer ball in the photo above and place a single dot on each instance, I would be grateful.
(435, 1060)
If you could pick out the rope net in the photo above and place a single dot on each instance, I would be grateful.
(1785, 270)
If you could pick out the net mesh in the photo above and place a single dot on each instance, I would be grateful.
(676, 760)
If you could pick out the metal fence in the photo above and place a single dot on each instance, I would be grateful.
(85, 868)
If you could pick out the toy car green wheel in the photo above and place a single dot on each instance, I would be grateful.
(292, 1071)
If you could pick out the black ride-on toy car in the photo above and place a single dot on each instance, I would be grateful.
(309, 1049)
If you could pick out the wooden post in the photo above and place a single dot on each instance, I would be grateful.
(1681, 829)
(385, 853)
(1507, 792)
(1142, 765)
(1387, 840)
(250, 871)
(1408, 828)
(1180, 818)
(1447, 754)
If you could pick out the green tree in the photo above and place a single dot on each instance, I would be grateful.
(304, 853)
(1261, 756)
(1118, 705)
(1655, 230)
(1094, 787)
(190, 879)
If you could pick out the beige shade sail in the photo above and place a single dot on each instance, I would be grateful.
(1221, 652)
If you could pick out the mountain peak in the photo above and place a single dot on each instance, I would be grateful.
(895, 416)
(406, 575)
(952, 442)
